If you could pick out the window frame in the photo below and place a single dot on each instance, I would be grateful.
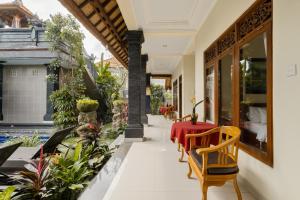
(232, 40)
(266, 157)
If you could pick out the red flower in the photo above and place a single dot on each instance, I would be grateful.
(91, 126)
(40, 164)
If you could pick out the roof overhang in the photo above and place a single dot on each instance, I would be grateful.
(105, 21)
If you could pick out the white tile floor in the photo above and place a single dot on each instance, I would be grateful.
(151, 171)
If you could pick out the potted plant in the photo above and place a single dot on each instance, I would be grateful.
(88, 127)
(194, 116)
(87, 105)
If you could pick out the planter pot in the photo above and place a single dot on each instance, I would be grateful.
(194, 119)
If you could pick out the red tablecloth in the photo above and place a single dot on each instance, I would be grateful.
(180, 129)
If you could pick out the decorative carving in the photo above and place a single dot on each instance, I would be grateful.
(210, 53)
(254, 18)
(226, 41)
(251, 20)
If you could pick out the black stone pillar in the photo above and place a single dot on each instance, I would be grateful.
(51, 86)
(1, 92)
(148, 84)
(135, 129)
(144, 117)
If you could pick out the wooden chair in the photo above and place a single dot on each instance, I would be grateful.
(169, 113)
(214, 165)
(184, 119)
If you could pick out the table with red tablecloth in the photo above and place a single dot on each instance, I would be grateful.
(180, 129)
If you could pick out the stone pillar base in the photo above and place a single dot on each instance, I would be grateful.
(130, 140)
(144, 119)
(134, 131)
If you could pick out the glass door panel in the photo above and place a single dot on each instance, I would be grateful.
(210, 95)
(225, 90)
(253, 92)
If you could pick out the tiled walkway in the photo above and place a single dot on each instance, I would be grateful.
(151, 171)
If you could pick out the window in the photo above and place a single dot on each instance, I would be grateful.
(225, 89)
(13, 73)
(210, 94)
(253, 92)
(243, 90)
(175, 87)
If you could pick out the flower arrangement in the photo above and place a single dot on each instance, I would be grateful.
(194, 116)
(87, 105)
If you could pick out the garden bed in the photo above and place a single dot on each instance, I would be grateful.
(66, 175)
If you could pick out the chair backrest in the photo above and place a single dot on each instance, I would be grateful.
(184, 119)
(231, 136)
(7, 151)
(54, 141)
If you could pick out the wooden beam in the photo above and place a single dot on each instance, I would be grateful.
(78, 13)
(97, 23)
(116, 18)
(120, 24)
(102, 14)
(112, 10)
(83, 4)
(91, 14)
(105, 3)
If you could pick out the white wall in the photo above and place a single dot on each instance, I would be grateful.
(188, 80)
(186, 68)
(281, 181)
(24, 94)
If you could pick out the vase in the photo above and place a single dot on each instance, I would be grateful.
(194, 119)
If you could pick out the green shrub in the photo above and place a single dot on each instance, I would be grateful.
(108, 88)
(87, 105)
(27, 141)
(62, 30)
(156, 98)
(71, 171)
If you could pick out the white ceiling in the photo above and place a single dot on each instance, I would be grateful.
(169, 26)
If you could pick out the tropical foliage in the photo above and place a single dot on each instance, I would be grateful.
(156, 98)
(7, 193)
(27, 141)
(69, 174)
(109, 91)
(64, 175)
(33, 181)
(64, 32)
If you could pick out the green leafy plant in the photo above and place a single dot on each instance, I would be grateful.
(156, 98)
(70, 173)
(87, 105)
(108, 87)
(97, 156)
(7, 193)
(64, 32)
(27, 141)
(64, 104)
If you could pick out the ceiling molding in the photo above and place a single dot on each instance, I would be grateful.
(169, 33)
